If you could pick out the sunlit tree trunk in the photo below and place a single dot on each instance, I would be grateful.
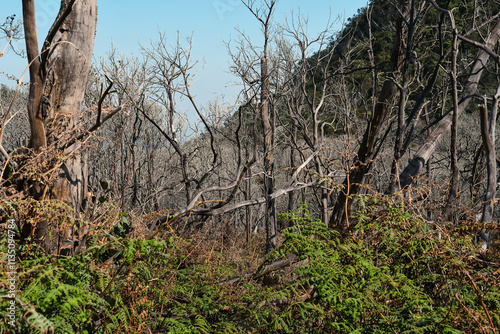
(443, 127)
(37, 135)
(58, 80)
(488, 129)
(66, 70)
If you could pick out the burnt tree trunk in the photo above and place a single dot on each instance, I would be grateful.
(367, 150)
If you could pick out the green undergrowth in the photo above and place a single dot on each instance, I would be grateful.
(388, 274)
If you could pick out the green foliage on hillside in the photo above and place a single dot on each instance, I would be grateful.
(389, 271)
(429, 44)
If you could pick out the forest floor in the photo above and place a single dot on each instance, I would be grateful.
(390, 272)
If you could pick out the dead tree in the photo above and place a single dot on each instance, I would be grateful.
(306, 94)
(444, 125)
(58, 79)
(263, 15)
(488, 135)
(367, 150)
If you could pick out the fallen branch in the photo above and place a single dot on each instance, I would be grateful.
(288, 301)
(287, 261)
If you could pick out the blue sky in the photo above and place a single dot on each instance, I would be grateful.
(125, 23)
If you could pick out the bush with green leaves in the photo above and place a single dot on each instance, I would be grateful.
(389, 273)
(392, 274)
(55, 296)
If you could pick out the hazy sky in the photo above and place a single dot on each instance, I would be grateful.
(125, 23)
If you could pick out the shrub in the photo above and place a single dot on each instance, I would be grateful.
(390, 273)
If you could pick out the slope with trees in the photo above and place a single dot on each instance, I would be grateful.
(353, 164)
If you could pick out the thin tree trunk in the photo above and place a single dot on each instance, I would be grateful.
(398, 145)
(488, 135)
(37, 134)
(453, 194)
(271, 224)
(248, 212)
(401, 129)
(324, 192)
(292, 196)
(366, 152)
(37, 129)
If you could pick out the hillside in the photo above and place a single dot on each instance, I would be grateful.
(350, 188)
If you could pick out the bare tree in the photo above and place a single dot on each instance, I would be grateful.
(306, 91)
(488, 135)
(264, 15)
(171, 76)
(58, 79)
(12, 29)
(453, 193)
(444, 125)
(368, 150)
